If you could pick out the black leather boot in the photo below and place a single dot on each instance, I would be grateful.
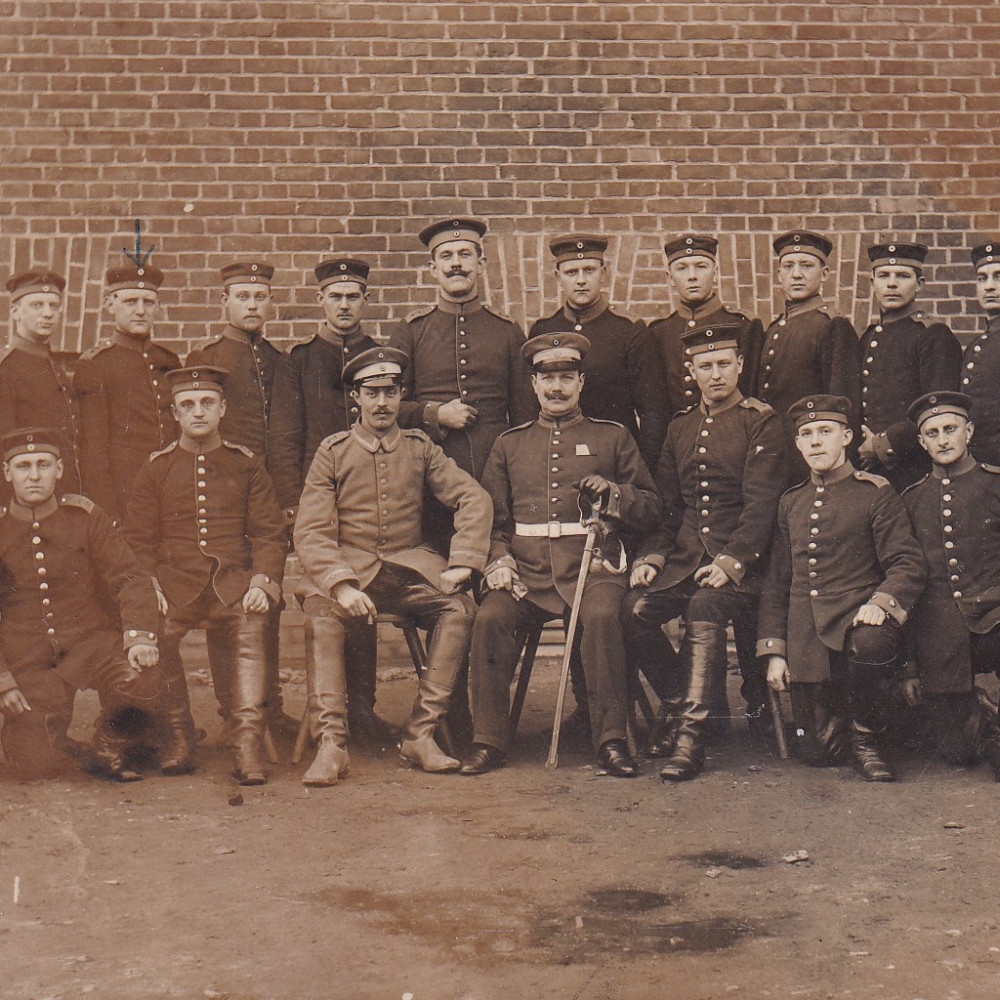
(368, 730)
(109, 750)
(819, 721)
(866, 691)
(177, 746)
(326, 688)
(248, 693)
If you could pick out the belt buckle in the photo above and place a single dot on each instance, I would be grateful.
(555, 529)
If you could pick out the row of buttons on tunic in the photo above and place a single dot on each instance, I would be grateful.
(43, 587)
(704, 468)
(977, 348)
(813, 546)
(770, 353)
(869, 360)
(948, 529)
(202, 498)
(462, 347)
(555, 455)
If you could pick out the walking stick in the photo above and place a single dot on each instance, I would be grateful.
(778, 718)
(593, 523)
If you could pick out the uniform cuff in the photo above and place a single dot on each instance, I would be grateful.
(138, 637)
(268, 585)
(884, 451)
(733, 568)
(7, 682)
(654, 559)
(290, 514)
(504, 562)
(466, 558)
(889, 605)
(909, 671)
(772, 647)
(334, 577)
(614, 502)
(429, 422)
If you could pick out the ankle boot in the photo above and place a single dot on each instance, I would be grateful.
(249, 689)
(108, 751)
(326, 701)
(177, 748)
(867, 757)
(820, 724)
(866, 693)
(331, 763)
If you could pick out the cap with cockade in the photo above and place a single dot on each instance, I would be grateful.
(31, 440)
(29, 282)
(130, 276)
(378, 366)
(802, 241)
(986, 253)
(691, 245)
(246, 272)
(907, 254)
(711, 338)
(582, 246)
(555, 352)
(933, 403)
(811, 408)
(341, 269)
(200, 377)
(447, 230)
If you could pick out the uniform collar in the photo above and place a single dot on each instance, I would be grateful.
(30, 346)
(338, 339)
(806, 305)
(200, 447)
(993, 322)
(839, 474)
(895, 315)
(23, 513)
(374, 443)
(138, 344)
(459, 308)
(588, 313)
(733, 400)
(701, 309)
(956, 469)
(241, 336)
(561, 422)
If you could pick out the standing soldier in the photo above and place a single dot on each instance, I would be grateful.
(693, 272)
(721, 473)
(311, 402)
(906, 354)
(845, 571)
(806, 351)
(624, 382)
(206, 525)
(981, 361)
(35, 389)
(123, 390)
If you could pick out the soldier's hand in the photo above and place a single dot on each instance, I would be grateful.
(866, 450)
(143, 655)
(13, 703)
(453, 578)
(501, 578)
(255, 601)
(355, 602)
(455, 414)
(161, 603)
(869, 614)
(594, 485)
(642, 575)
(911, 691)
(711, 576)
(777, 673)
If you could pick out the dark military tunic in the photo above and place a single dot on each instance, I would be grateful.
(681, 389)
(904, 355)
(956, 516)
(464, 351)
(720, 477)
(981, 379)
(124, 414)
(251, 362)
(68, 586)
(310, 402)
(623, 373)
(843, 540)
(207, 518)
(36, 391)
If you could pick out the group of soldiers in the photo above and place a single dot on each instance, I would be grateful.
(832, 498)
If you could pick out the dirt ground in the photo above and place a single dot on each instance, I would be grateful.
(523, 883)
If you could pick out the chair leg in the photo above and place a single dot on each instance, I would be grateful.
(302, 738)
(529, 646)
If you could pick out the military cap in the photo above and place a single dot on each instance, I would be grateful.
(985, 253)
(31, 440)
(580, 247)
(28, 282)
(377, 366)
(802, 241)
(907, 254)
(711, 338)
(246, 272)
(130, 276)
(822, 407)
(555, 352)
(447, 230)
(341, 269)
(691, 245)
(932, 403)
(197, 377)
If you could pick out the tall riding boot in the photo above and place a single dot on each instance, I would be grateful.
(274, 703)
(109, 748)
(651, 653)
(704, 649)
(177, 749)
(326, 688)
(989, 744)
(577, 724)
(719, 725)
(368, 731)
(220, 666)
(867, 721)
(819, 722)
(448, 646)
(249, 691)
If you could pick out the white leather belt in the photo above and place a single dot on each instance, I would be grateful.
(554, 529)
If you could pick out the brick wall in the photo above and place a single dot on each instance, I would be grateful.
(293, 129)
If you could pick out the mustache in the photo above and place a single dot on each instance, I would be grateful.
(457, 272)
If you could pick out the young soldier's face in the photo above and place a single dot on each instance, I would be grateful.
(343, 302)
(823, 444)
(988, 287)
(801, 275)
(36, 315)
(895, 286)
(580, 281)
(558, 392)
(946, 437)
(379, 406)
(693, 278)
(33, 476)
(247, 305)
(716, 373)
(134, 310)
(198, 412)
(456, 266)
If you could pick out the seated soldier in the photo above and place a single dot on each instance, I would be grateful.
(204, 522)
(358, 534)
(845, 571)
(955, 627)
(68, 585)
